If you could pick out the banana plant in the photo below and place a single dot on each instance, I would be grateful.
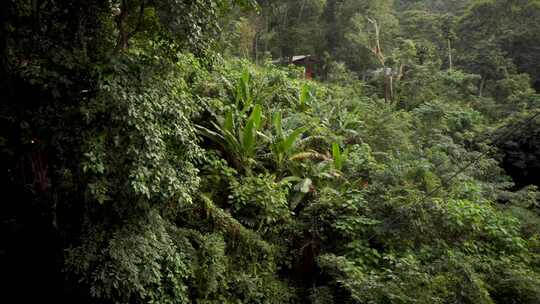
(243, 95)
(247, 92)
(238, 139)
(283, 145)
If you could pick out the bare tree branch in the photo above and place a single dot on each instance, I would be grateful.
(377, 50)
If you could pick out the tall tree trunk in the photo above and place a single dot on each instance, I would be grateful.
(388, 85)
(481, 86)
(256, 47)
(450, 64)
(391, 88)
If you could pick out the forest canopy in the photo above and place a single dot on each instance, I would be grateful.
(284, 151)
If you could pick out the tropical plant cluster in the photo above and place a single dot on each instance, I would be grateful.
(151, 154)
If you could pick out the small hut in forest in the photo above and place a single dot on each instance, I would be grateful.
(306, 61)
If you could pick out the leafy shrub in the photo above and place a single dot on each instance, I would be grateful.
(259, 202)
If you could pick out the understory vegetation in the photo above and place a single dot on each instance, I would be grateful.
(152, 154)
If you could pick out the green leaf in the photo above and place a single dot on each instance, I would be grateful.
(229, 122)
(250, 130)
(304, 94)
(245, 94)
(248, 138)
(292, 138)
(256, 116)
(289, 179)
(277, 118)
(336, 154)
(209, 133)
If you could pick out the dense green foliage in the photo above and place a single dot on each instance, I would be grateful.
(153, 158)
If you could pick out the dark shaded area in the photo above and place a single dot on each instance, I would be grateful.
(36, 224)
(32, 255)
(521, 156)
(30, 251)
